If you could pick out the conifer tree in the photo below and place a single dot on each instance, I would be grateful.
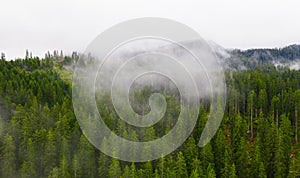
(210, 173)
(8, 160)
(180, 166)
(114, 170)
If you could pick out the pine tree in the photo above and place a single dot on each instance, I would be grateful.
(294, 168)
(210, 173)
(275, 110)
(263, 102)
(194, 174)
(3, 56)
(147, 169)
(206, 156)
(250, 110)
(28, 168)
(126, 172)
(27, 54)
(114, 170)
(103, 162)
(86, 156)
(256, 162)
(49, 158)
(149, 134)
(219, 151)
(8, 161)
(132, 171)
(190, 152)
(238, 130)
(226, 170)
(170, 167)
(64, 168)
(161, 165)
(283, 147)
(156, 174)
(196, 166)
(76, 168)
(54, 173)
(268, 149)
(297, 112)
(232, 173)
(242, 161)
(181, 170)
(261, 171)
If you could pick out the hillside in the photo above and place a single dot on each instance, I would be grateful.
(40, 136)
(236, 59)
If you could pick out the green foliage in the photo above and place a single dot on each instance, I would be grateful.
(243, 160)
(114, 170)
(8, 163)
(180, 166)
(40, 136)
(210, 173)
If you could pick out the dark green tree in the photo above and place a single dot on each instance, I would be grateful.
(180, 166)
(114, 170)
(8, 160)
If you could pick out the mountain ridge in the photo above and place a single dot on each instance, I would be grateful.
(288, 56)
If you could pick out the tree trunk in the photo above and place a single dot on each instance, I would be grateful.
(251, 122)
(277, 121)
(296, 124)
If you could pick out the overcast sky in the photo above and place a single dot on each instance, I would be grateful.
(69, 25)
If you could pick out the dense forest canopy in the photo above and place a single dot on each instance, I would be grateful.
(40, 137)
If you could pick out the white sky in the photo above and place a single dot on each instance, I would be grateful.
(42, 25)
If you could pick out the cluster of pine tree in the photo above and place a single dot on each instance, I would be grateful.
(40, 136)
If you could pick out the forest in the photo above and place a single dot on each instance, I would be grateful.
(40, 136)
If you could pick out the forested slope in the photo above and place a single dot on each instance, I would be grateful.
(259, 135)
